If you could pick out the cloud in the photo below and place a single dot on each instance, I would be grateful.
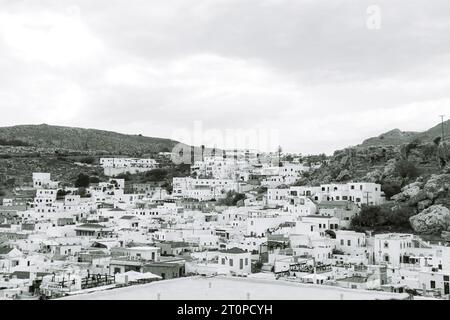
(311, 70)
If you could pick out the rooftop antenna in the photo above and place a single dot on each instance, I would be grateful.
(442, 126)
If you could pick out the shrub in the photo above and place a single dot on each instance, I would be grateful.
(437, 140)
(156, 175)
(391, 189)
(383, 217)
(231, 199)
(369, 216)
(60, 194)
(406, 169)
(94, 180)
(82, 181)
(87, 160)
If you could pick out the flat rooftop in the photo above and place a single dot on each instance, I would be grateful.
(232, 288)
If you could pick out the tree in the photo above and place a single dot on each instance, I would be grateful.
(406, 169)
(126, 176)
(384, 217)
(82, 181)
(168, 186)
(370, 216)
(399, 217)
(279, 150)
(61, 193)
(391, 189)
(82, 192)
(437, 140)
(231, 199)
(156, 175)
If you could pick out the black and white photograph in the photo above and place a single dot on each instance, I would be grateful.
(251, 151)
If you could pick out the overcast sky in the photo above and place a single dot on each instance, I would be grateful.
(323, 75)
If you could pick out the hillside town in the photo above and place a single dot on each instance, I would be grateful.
(237, 216)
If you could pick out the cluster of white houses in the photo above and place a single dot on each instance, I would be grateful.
(115, 166)
(63, 242)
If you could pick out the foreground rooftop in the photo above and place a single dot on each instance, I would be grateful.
(232, 288)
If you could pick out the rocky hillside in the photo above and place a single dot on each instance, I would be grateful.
(414, 174)
(57, 137)
(397, 137)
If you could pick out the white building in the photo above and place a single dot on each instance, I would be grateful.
(235, 261)
(203, 189)
(389, 248)
(43, 180)
(277, 196)
(115, 166)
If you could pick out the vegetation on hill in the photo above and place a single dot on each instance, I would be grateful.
(46, 136)
(14, 143)
(383, 218)
(397, 137)
(232, 199)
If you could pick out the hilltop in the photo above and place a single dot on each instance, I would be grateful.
(70, 138)
(397, 137)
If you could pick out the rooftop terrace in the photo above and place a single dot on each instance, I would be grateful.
(230, 288)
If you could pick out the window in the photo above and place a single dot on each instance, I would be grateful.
(231, 262)
(342, 242)
(349, 243)
(246, 263)
(432, 284)
(386, 245)
(445, 278)
(223, 260)
(241, 264)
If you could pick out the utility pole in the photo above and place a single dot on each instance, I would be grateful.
(442, 126)
(367, 197)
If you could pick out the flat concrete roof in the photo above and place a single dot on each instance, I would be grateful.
(233, 288)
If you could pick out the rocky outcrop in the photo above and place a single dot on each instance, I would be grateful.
(373, 176)
(443, 154)
(409, 192)
(432, 220)
(422, 205)
(437, 186)
(344, 175)
(389, 169)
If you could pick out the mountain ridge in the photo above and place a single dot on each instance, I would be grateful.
(85, 139)
(396, 137)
